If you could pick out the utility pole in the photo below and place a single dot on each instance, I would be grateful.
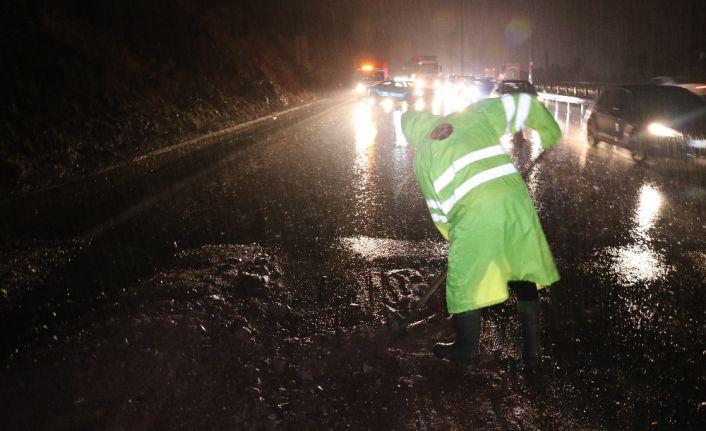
(532, 30)
(463, 36)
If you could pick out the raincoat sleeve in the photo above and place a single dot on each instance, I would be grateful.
(417, 128)
(513, 112)
(541, 120)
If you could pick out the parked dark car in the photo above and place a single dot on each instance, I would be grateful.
(695, 85)
(650, 120)
(511, 86)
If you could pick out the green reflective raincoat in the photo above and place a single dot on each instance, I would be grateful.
(479, 201)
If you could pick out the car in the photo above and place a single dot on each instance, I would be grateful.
(368, 75)
(696, 86)
(649, 120)
(397, 90)
(481, 87)
(511, 86)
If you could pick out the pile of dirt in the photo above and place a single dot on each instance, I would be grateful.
(216, 341)
(23, 266)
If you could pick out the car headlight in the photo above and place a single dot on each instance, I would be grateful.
(359, 88)
(420, 83)
(387, 104)
(419, 105)
(663, 131)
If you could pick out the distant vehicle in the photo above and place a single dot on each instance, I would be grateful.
(512, 86)
(369, 74)
(490, 72)
(425, 70)
(398, 90)
(458, 82)
(696, 86)
(650, 120)
(511, 71)
(480, 88)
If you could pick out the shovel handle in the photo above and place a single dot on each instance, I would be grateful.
(419, 304)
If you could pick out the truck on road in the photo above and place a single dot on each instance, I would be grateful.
(425, 71)
(369, 73)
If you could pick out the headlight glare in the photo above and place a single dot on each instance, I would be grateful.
(663, 131)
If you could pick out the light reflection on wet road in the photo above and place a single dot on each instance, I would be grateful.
(638, 261)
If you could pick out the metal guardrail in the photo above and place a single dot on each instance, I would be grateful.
(579, 93)
(582, 94)
(566, 99)
(583, 90)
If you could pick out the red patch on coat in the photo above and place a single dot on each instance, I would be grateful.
(442, 131)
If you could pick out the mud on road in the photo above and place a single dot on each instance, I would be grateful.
(220, 339)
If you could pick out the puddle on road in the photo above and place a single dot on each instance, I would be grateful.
(635, 264)
(640, 261)
(380, 248)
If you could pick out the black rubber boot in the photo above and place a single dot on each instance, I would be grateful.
(465, 348)
(529, 311)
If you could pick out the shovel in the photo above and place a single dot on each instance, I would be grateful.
(438, 281)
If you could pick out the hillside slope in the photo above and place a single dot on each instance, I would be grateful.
(92, 83)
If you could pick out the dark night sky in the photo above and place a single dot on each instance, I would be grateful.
(588, 39)
(601, 36)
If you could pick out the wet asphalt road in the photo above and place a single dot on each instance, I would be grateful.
(331, 190)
